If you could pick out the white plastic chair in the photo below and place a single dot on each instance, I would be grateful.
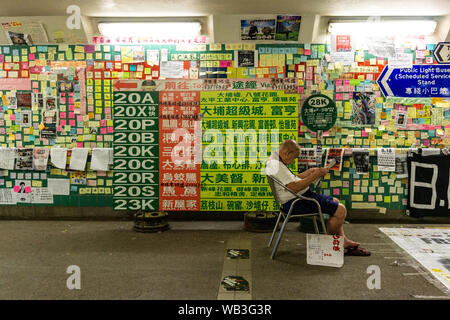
(286, 216)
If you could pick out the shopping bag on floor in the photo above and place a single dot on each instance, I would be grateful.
(325, 250)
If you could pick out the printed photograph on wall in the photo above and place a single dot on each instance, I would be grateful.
(361, 159)
(23, 100)
(288, 28)
(258, 29)
(363, 108)
(17, 38)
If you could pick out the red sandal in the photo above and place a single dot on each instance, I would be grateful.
(356, 251)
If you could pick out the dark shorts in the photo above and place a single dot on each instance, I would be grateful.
(328, 205)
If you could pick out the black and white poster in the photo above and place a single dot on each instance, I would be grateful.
(429, 189)
(246, 58)
(24, 159)
(401, 165)
(307, 159)
(361, 159)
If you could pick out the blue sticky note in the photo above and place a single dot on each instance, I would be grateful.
(133, 67)
(430, 46)
(6, 50)
(15, 52)
(42, 48)
(275, 50)
(304, 58)
(73, 188)
(31, 137)
(261, 50)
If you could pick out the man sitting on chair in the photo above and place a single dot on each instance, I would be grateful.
(277, 166)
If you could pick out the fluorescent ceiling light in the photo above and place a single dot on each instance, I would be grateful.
(385, 28)
(150, 29)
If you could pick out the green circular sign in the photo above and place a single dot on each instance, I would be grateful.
(319, 113)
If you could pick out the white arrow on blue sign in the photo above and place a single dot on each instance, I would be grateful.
(442, 52)
(420, 81)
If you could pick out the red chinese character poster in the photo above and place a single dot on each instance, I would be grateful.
(179, 175)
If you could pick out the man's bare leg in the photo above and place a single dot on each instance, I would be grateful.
(336, 225)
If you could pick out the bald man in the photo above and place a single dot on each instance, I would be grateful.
(277, 166)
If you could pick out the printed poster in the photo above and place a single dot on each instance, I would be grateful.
(24, 159)
(288, 28)
(361, 159)
(386, 159)
(337, 154)
(234, 156)
(258, 29)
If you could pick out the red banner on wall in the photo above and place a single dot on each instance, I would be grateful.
(179, 174)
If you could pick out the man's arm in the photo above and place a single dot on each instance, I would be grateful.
(306, 173)
(297, 186)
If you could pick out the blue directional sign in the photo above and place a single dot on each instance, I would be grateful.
(420, 81)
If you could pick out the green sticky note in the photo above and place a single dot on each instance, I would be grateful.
(345, 192)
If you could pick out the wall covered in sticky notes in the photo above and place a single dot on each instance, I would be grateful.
(60, 141)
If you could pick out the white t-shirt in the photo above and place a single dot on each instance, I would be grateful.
(280, 171)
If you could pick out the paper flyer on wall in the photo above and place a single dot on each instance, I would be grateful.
(22, 191)
(171, 69)
(6, 196)
(401, 119)
(58, 186)
(100, 159)
(24, 159)
(386, 159)
(337, 154)
(40, 158)
(58, 157)
(401, 165)
(8, 157)
(41, 195)
(78, 159)
(361, 159)
(307, 159)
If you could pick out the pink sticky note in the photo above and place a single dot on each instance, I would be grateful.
(71, 107)
(364, 134)
(79, 144)
(71, 115)
(103, 123)
(62, 122)
(71, 122)
(103, 130)
(62, 115)
(27, 189)
(13, 117)
(336, 192)
(62, 100)
(338, 96)
(79, 117)
(110, 129)
(71, 100)
(307, 52)
(31, 56)
(16, 188)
